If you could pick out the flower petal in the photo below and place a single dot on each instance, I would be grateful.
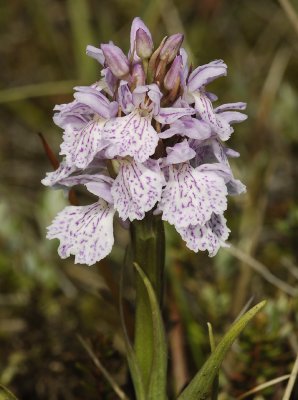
(86, 232)
(232, 117)
(132, 135)
(53, 178)
(191, 196)
(179, 153)
(137, 188)
(168, 115)
(74, 114)
(115, 59)
(230, 106)
(85, 178)
(188, 126)
(205, 74)
(95, 53)
(101, 188)
(204, 106)
(96, 100)
(137, 23)
(80, 147)
(185, 68)
(210, 237)
(125, 97)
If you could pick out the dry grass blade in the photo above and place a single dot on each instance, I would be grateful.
(245, 308)
(263, 386)
(262, 270)
(119, 392)
(7, 393)
(292, 380)
(290, 12)
(290, 266)
(37, 90)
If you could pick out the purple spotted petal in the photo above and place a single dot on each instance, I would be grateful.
(80, 147)
(188, 126)
(222, 153)
(137, 189)
(179, 153)
(86, 232)
(140, 100)
(96, 101)
(101, 188)
(191, 196)
(154, 95)
(204, 152)
(230, 106)
(168, 115)
(125, 98)
(232, 117)
(205, 74)
(85, 178)
(74, 114)
(219, 125)
(132, 135)
(210, 237)
(54, 178)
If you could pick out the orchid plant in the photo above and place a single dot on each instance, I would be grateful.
(147, 141)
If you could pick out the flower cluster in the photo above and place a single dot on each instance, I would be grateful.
(145, 137)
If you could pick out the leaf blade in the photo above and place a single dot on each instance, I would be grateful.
(198, 388)
(158, 376)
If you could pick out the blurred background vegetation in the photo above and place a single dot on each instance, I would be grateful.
(47, 303)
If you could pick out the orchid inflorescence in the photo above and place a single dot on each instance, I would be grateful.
(145, 137)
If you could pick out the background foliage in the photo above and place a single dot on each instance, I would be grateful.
(45, 303)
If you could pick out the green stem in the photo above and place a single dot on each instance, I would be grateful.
(148, 243)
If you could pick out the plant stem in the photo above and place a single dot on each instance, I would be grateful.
(148, 243)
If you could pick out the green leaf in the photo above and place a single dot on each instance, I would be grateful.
(158, 375)
(199, 387)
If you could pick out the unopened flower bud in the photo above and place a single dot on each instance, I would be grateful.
(171, 47)
(116, 60)
(144, 44)
(138, 75)
(173, 74)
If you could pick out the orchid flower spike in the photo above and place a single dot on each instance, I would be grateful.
(145, 138)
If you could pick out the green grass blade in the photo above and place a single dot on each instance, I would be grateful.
(199, 387)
